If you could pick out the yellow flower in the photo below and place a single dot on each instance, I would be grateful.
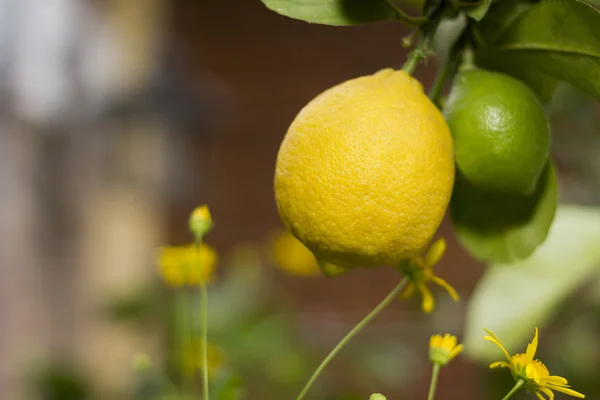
(420, 272)
(443, 349)
(193, 358)
(293, 257)
(200, 221)
(533, 372)
(181, 265)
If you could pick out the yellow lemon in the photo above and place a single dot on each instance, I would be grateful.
(365, 172)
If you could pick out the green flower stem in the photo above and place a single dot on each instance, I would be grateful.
(517, 386)
(203, 325)
(183, 331)
(434, 379)
(407, 19)
(384, 303)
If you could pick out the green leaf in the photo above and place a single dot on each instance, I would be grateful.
(497, 227)
(334, 12)
(501, 15)
(558, 38)
(478, 12)
(541, 83)
(510, 300)
(446, 35)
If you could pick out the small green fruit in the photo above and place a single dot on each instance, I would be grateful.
(500, 132)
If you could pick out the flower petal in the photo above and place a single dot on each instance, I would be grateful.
(532, 374)
(435, 252)
(492, 338)
(428, 300)
(456, 351)
(539, 396)
(556, 380)
(451, 291)
(434, 341)
(499, 364)
(547, 392)
(568, 391)
(532, 347)
(409, 291)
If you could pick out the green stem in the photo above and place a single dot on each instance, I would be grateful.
(203, 325)
(407, 19)
(414, 57)
(518, 386)
(448, 67)
(440, 78)
(434, 379)
(364, 322)
(183, 333)
(468, 59)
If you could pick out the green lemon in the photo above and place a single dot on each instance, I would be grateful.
(500, 132)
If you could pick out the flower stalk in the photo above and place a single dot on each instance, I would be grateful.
(517, 386)
(364, 322)
(434, 378)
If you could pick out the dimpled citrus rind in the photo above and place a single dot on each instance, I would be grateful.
(365, 172)
(500, 131)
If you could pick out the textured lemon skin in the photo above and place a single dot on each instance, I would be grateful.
(365, 172)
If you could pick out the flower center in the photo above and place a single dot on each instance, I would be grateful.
(531, 372)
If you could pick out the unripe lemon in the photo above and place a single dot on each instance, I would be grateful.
(500, 132)
(365, 172)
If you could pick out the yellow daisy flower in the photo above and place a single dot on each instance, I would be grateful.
(293, 257)
(420, 272)
(443, 349)
(181, 265)
(532, 372)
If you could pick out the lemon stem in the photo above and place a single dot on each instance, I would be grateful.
(468, 59)
(440, 78)
(364, 322)
(407, 19)
(203, 325)
(415, 56)
(450, 64)
(517, 386)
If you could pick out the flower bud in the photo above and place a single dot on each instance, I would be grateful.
(442, 349)
(200, 221)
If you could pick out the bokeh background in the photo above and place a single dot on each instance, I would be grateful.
(118, 117)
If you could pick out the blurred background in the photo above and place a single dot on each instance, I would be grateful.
(118, 117)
